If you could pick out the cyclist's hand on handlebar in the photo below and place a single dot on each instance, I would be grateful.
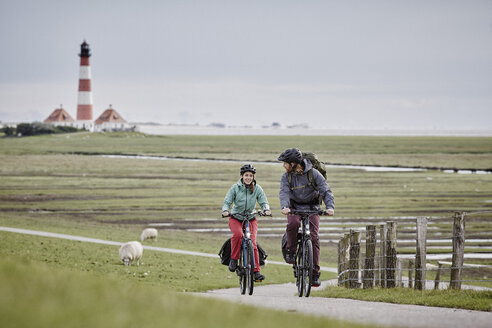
(225, 214)
(268, 213)
(329, 212)
(285, 210)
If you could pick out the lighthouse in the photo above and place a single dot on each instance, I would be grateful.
(84, 101)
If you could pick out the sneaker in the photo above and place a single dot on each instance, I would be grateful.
(259, 276)
(232, 265)
(315, 282)
(290, 257)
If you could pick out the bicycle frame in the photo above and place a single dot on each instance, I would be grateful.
(246, 265)
(244, 243)
(303, 267)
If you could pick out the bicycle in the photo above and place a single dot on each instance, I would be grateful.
(303, 266)
(246, 264)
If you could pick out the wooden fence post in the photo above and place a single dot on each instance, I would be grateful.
(354, 258)
(368, 276)
(377, 272)
(410, 273)
(399, 280)
(346, 260)
(420, 256)
(342, 263)
(339, 267)
(438, 276)
(458, 250)
(391, 255)
(382, 254)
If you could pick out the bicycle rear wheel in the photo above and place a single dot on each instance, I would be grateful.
(307, 267)
(240, 270)
(250, 274)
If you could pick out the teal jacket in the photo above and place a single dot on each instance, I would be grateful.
(244, 201)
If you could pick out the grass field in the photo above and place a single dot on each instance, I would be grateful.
(464, 299)
(67, 297)
(53, 183)
(446, 152)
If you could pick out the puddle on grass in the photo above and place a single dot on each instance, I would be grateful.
(368, 168)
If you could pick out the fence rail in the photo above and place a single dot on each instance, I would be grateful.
(381, 266)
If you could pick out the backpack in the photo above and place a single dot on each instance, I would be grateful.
(225, 253)
(317, 164)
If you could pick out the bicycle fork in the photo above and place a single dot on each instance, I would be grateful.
(244, 249)
(305, 234)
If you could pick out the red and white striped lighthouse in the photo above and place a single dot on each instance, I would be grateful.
(84, 101)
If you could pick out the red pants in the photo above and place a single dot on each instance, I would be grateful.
(293, 223)
(237, 235)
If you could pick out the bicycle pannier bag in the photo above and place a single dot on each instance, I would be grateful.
(284, 246)
(262, 253)
(225, 252)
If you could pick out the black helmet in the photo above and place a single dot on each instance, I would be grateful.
(291, 155)
(247, 168)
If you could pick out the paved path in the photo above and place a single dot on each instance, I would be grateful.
(116, 243)
(283, 297)
(101, 241)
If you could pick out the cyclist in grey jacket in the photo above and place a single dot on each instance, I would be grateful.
(297, 192)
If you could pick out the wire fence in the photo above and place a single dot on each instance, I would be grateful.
(376, 262)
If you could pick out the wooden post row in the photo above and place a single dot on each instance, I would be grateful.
(368, 276)
(343, 249)
(391, 255)
(382, 254)
(458, 250)
(344, 258)
(420, 256)
(410, 273)
(354, 259)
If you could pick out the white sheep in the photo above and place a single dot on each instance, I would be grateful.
(149, 233)
(131, 251)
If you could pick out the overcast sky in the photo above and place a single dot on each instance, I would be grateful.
(334, 64)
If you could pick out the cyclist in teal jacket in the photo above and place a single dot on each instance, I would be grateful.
(244, 195)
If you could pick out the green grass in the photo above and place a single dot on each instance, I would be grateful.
(176, 272)
(453, 152)
(115, 198)
(34, 294)
(45, 184)
(462, 299)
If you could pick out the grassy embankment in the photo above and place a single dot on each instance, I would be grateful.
(44, 188)
(34, 294)
(461, 299)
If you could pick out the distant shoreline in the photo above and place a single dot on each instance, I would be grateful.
(206, 130)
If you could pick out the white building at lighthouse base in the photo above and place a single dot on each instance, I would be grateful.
(86, 125)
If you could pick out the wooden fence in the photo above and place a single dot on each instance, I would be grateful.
(382, 267)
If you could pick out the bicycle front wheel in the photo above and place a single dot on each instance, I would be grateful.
(298, 270)
(240, 270)
(307, 267)
(250, 274)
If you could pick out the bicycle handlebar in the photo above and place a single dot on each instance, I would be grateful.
(300, 212)
(262, 213)
(246, 216)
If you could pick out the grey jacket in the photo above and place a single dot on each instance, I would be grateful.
(303, 193)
